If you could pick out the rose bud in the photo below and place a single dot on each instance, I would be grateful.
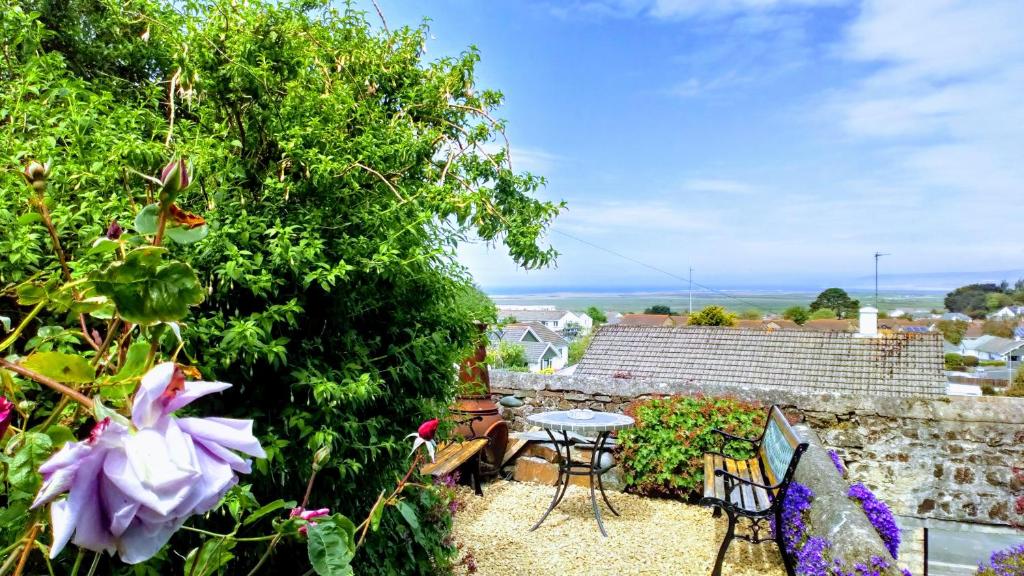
(174, 178)
(36, 175)
(114, 231)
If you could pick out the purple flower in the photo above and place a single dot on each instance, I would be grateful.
(1009, 562)
(879, 515)
(838, 462)
(131, 485)
(6, 415)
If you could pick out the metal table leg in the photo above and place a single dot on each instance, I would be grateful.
(593, 471)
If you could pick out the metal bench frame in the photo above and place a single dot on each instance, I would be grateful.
(758, 532)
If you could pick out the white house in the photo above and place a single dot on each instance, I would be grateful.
(543, 347)
(557, 320)
(990, 347)
(1007, 313)
(957, 316)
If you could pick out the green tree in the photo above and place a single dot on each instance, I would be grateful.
(954, 361)
(712, 316)
(578, 348)
(597, 315)
(953, 330)
(996, 300)
(1016, 388)
(837, 300)
(971, 299)
(507, 356)
(797, 314)
(337, 169)
(823, 314)
(751, 314)
(1001, 328)
(658, 309)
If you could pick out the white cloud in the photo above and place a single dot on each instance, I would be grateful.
(947, 96)
(679, 9)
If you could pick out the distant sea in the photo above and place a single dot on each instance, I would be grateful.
(769, 300)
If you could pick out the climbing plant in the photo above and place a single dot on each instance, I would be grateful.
(334, 170)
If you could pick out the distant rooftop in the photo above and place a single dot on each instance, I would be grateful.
(828, 361)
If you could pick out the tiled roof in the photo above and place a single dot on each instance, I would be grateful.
(996, 345)
(975, 329)
(535, 350)
(829, 325)
(898, 364)
(543, 332)
(645, 320)
(533, 315)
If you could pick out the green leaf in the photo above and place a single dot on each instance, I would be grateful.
(68, 368)
(60, 435)
(6, 323)
(267, 509)
(30, 218)
(378, 512)
(184, 235)
(121, 385)
(103, 245)
(209, 558)
(30, 294)
(34, 448)
(146, 290)
(409, 514)
(331, 546)
(148, 219)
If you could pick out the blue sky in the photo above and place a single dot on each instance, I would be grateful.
(763, 142)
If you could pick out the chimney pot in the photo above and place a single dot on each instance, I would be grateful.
(868, 322)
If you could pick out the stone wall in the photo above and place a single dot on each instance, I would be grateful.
(943, 459)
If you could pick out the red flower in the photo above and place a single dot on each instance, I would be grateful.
(6, 414)
(428, 429)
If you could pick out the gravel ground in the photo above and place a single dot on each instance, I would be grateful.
(652, 536)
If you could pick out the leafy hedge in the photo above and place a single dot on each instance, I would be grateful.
(664, 453)
(337, 170)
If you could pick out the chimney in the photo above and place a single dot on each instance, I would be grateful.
(868, 322)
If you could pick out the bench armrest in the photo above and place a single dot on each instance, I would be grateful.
(730, 437)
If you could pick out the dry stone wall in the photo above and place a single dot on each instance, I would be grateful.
(948, 458)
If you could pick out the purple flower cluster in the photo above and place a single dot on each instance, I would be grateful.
(794, 508)
(813, 554)
(879, 515)
(1009, 562)
(838, 462)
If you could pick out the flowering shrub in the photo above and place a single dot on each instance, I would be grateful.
(664, 453)
(812, 555)
(880, 516)
(1008, 562)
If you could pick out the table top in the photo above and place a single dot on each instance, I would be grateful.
(599, 422)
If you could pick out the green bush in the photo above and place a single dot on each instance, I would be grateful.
(970, 361)
(664, 453)
(992, 363)
(954, 361)
(337, 170)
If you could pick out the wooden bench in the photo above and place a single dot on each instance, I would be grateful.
(754, 488)
(464, 456)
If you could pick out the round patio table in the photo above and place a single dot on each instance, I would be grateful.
(584, 423)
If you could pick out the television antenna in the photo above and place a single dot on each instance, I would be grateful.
(877, 256)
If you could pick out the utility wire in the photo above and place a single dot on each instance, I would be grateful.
(656, 269)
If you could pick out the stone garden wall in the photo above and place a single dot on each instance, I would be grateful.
(947, 458)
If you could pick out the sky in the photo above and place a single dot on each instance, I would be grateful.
(763, 142)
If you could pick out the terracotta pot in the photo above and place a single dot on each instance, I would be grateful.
(473, 376)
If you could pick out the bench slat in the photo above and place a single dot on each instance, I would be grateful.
(763, 499)
(745, 489)
(451, 456)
